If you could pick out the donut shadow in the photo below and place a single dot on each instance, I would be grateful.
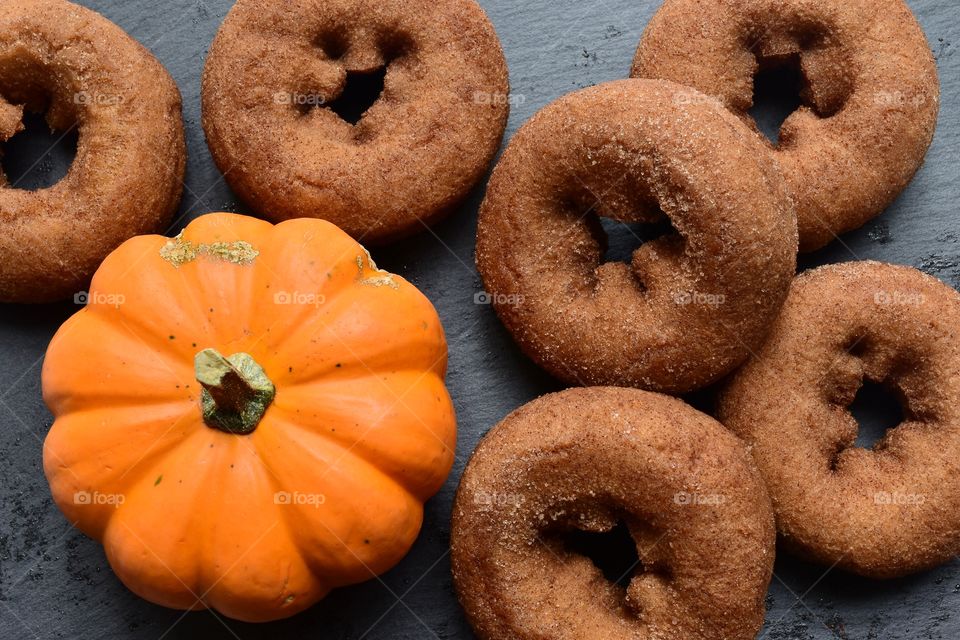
(38, 319)
(834, 584)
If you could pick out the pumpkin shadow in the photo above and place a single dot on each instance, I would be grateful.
(36, 318)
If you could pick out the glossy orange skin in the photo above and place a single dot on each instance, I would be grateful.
(362, 428)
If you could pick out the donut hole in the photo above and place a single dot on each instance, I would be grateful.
(365, 82)
(777, 89)
(362, 90)
(613, 552)
(877, 410)
(804, 74)
(38, 156)
(619, 240)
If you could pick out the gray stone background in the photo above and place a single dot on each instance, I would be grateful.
(55, 583)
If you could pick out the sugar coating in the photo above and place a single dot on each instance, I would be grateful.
(128, 173)
(871, 93)
(690, 306)
(584, 459)
(414, 155)
(882, 512)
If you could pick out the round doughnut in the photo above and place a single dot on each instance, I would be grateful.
(690, 305)
(870, 95)
(276, 69)
(881, 512)
(586, 459)
(88, 74)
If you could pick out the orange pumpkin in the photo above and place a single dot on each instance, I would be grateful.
(248, 415)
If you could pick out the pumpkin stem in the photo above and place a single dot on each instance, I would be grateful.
(236, 391)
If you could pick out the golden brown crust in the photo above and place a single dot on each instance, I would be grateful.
(685, 312)
(416, 152)
(128, 173)
(884, 512)
(871, 96)
(584, 459)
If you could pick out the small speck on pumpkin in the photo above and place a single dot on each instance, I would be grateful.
(158, 480)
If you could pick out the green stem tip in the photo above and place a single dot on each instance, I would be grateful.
(236, 391)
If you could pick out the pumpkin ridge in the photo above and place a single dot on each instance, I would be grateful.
(276, 251)
(86, 411)
(192, 299)
(356, 371)
(68, 403)
(293, 323)
(351, 451)
(384, 355)
(146, 466)
(207, 576)
(62, 348)
(203, 280)
(139, 488)
(129, 283)
(157, 345)
(422, 376)
(411, 501)
(55, 466)
(354, 443)
(289, 528)
(358, 450)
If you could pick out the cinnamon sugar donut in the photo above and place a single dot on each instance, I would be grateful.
(690, 305)
(881, 512)
(584, 459)
(87, 73)
(870, 96)
(270, 89)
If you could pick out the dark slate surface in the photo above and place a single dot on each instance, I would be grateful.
(55, 583)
